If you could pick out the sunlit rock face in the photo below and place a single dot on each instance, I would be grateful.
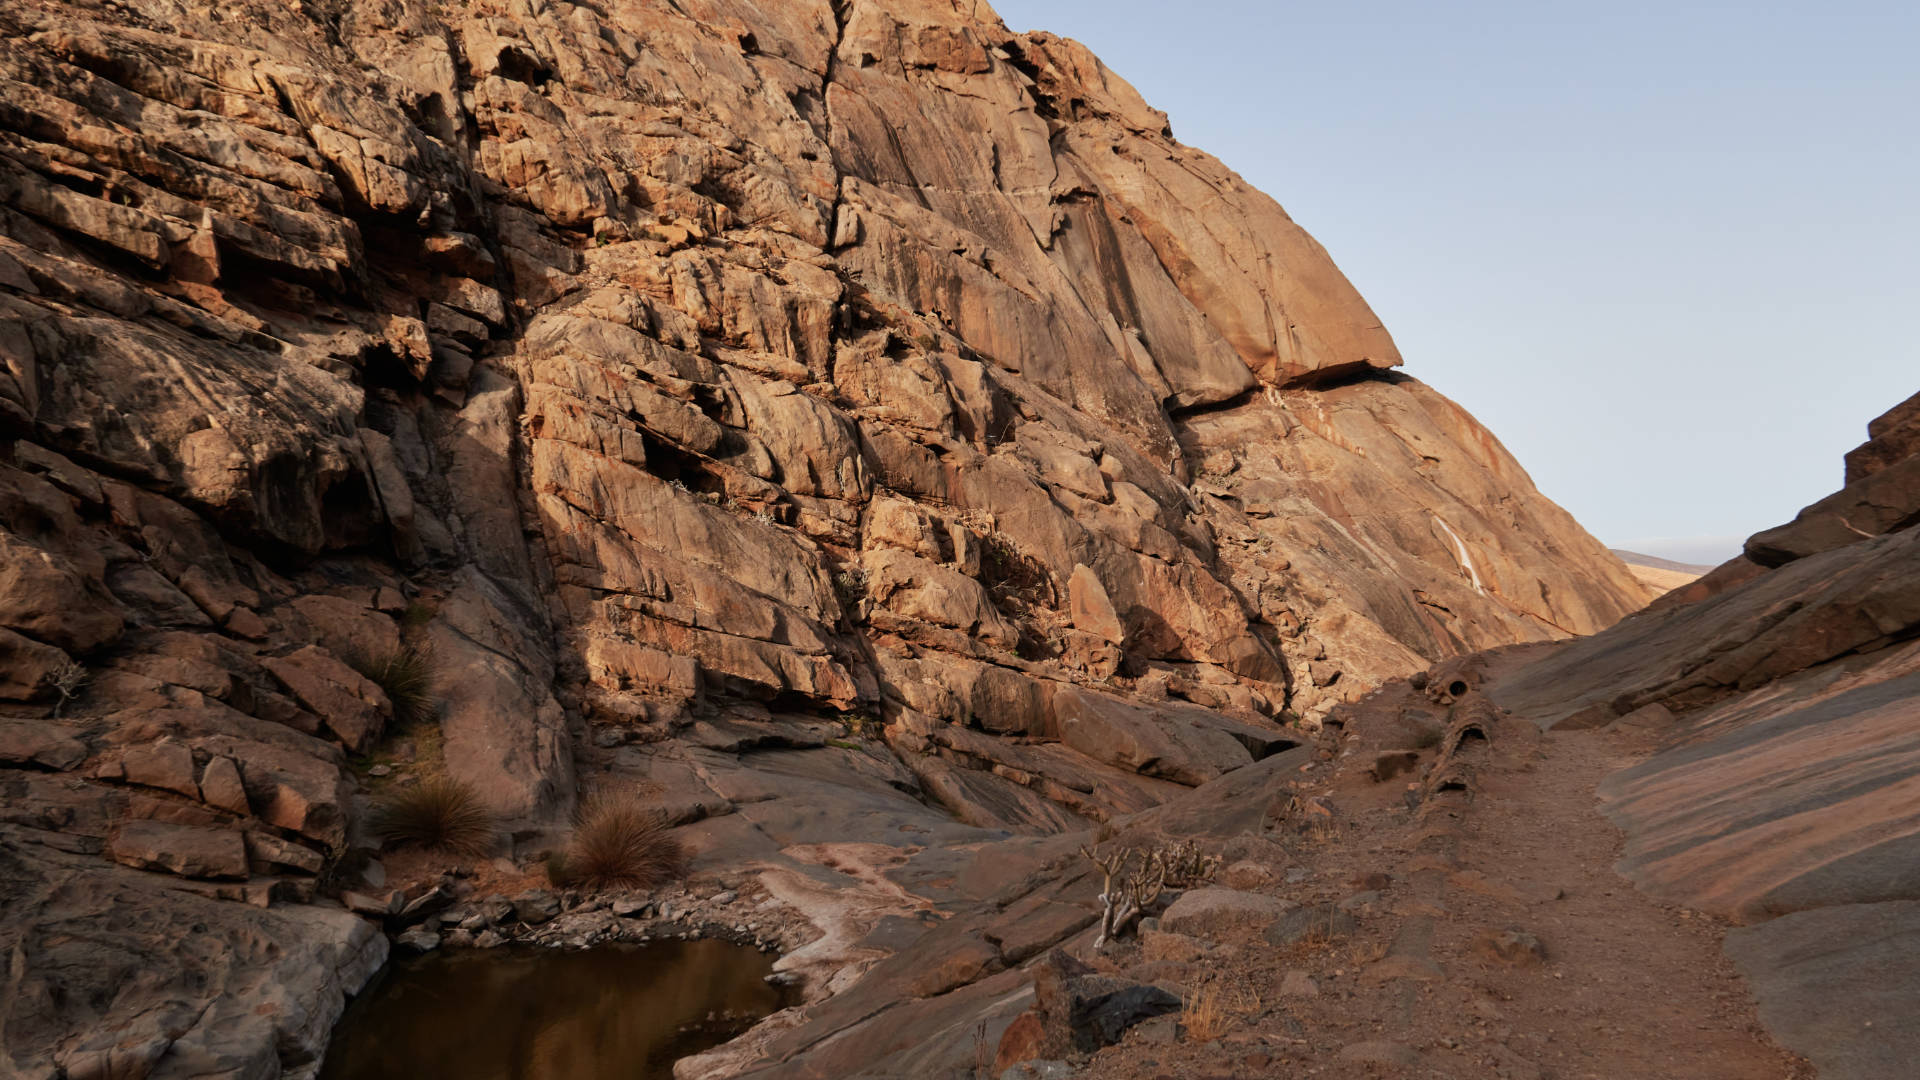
(642, 360)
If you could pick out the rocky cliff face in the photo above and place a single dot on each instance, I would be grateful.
(663, 367)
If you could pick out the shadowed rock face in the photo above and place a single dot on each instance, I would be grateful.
(677, 373)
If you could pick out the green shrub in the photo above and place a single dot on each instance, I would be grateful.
(621, 842)
(439, 814)
(408, 676)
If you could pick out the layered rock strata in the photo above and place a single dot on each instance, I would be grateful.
(692, 381)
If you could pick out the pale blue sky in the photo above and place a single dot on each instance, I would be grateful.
(1668, 252)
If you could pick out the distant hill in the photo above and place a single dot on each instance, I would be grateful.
(1634, 558)
(1660, 575)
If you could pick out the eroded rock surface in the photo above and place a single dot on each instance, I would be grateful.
(704, 385)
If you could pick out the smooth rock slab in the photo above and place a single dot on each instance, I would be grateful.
(144, 975)
(1838, 985)
(187, 850)
(164, 765)
(37, 743)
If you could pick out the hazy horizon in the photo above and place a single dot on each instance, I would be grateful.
(1662, 251)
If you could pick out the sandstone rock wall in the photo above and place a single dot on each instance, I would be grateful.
(861, 359)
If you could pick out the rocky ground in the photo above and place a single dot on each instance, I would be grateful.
(1481, 936)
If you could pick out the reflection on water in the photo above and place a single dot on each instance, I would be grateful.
(611, 1013)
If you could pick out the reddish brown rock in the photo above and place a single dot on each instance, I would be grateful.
(1026, 1039)
(1892, 437)
(166, 765)
(1091, 609)
(345, 628)
(353, 708)
(188, 850)
(45, 596)
(1885, 499)
(221, 786)
(28, 668)
(28, 742)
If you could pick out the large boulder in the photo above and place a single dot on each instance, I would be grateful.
(1215, 912)
(1078, 1011)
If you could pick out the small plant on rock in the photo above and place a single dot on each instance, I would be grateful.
(67, 680)
(407, 675)
(1132, 879)
(860, 724)
(621, 842)
(438, 813)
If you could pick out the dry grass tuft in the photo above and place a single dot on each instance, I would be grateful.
(1208, 1011)
(621, 842)
(1367, 953)
(407, 675)
(439, 814)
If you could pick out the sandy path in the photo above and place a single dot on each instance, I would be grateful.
(1628, 988)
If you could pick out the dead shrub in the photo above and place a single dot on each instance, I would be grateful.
(438, 813)
(621, 842)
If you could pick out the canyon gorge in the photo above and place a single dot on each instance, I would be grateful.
(871, 437)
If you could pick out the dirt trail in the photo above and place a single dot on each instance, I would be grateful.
(1620, 986)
